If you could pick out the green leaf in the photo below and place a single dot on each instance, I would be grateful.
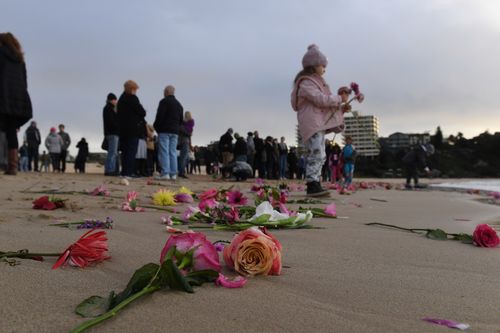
(437, 234)
(464, 238)
(139, 281)
(171, 276)
(261, 219)
(199, 277)
(94, 306)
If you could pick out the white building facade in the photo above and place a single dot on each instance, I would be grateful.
(364, 133)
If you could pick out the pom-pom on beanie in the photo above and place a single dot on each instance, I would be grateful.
(314, 57)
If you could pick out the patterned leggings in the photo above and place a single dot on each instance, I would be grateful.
(315, 156)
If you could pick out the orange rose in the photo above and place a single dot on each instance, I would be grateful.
(254, 252)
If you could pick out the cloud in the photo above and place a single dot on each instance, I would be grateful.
(420, 64)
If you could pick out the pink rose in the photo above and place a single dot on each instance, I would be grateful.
(485, 236)
(207, 204)
(254, 252)
(204, 257)
(208, 194)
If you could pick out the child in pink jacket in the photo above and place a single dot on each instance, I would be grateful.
(318, 113)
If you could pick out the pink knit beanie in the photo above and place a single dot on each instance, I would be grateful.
(314, 57)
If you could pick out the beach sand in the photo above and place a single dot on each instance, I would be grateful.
(346, 277)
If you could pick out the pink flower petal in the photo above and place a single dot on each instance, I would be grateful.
(331, 209)
(225, 282)
(447, 323)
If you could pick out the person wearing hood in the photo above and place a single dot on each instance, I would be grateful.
(319, 112)
(81, 157)
(15, 102)
(54, 144)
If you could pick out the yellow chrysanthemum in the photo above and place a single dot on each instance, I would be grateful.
(185, 190)
(164, 198)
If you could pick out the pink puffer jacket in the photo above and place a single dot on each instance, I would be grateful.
(317, 109)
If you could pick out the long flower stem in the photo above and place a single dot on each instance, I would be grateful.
(27, 254)
(414, 230)
(113, 312)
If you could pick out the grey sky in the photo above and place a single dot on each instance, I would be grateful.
(420, 63)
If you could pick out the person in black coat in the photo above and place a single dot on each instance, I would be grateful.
(131, 121)
(260, 156)
(168, 121)
(240, 148)
(111, 135)
(81, 157)
(414, 159)
(15, 103)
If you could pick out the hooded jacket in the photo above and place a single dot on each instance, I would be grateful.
(15, 103)
(54, 143)
(317, 109)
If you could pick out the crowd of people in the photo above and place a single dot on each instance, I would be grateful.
(164, 149)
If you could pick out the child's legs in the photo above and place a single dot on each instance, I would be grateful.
(348, 172)
(315, 150)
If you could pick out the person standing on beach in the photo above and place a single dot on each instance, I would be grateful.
(349, 157)
(250, 150)
(64, 149)
(226, 147)
(54, 144)
(240, 148)
(33, 138)
(111, 134)
(131, 122)
(414, 159)
(185, 133)
(318, 113)
(283, 153)
(150, 144)
(81, 157)
(260, 156)
(15, 102)
(169, 119)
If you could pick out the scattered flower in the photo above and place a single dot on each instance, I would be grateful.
(207, 204)
(185, 190)
(236, 198)
(208, 194)
(254, 251)
(164, 198)
(331, 209)
(131, 204)
(96, 224)
(183, 198)
(189, 212)
(47, 203)
(91, 248)
(193, 250)
(447, 323)
(485, 236)
(167, 220)
(225, 282)
(232, 215)
(100, 191)
(219, 246)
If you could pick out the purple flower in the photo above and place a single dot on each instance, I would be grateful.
(219, 247)
(236, 198)
(183, 198)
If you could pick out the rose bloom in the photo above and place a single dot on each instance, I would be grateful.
(254, 252)
(208, 194)
(485, 236)
(204, 257)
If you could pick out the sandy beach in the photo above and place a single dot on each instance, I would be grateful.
(346, 277)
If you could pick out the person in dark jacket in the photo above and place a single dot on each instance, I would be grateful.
(169, 119)
(15, 103)
(414, 159)
(81, 157)
(111, 135)
(64, 149)
(240, 148)
(33, 138)
(226, 147)
(260, 156)
(131, 121)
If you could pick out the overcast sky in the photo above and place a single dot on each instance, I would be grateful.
(420, 63)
